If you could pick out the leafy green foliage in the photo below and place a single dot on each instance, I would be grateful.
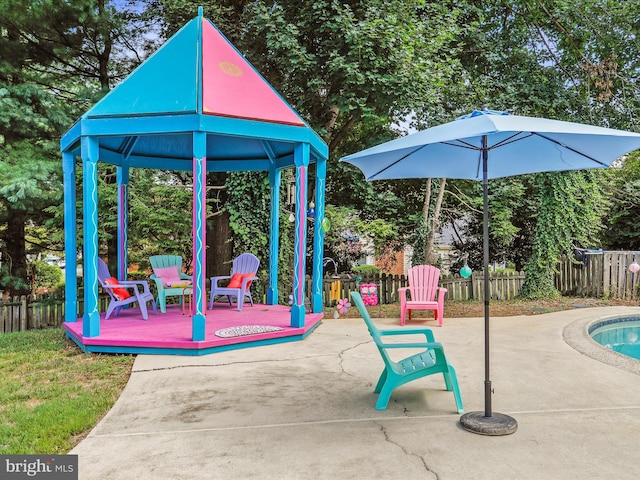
(366, 270)
(360, 72)
(569, 216)
(248, 206)
(160, 206)
(622, 232)
(46, 276)
(350, 237)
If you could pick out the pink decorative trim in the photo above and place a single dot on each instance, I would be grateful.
(123, 229)
(302, 202)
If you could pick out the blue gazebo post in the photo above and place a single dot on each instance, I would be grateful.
(91, 317)
(301, 159)
(318, 237)
(71, 281)
(122, 174)
(198, 319)
(275, 178)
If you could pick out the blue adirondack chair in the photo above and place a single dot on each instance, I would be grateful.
(170, 280)
(243, 272)
(430, 361)
(124, 292)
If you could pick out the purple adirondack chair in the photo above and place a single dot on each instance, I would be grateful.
(243, 272)
(124, 292)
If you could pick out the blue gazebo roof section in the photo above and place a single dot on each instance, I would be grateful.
(195, 105)
(197, 81)
(167, 81)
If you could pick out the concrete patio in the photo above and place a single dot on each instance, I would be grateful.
(305, 410)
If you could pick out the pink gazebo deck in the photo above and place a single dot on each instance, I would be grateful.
(170, 332)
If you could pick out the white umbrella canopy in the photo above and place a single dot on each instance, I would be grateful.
(490, 144)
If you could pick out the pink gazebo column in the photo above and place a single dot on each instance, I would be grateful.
(275, 177)
(122, 174)
(301, 158)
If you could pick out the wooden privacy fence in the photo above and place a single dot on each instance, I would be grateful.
(29, 312)
(502, 286)
(602, 274)
(47, 310)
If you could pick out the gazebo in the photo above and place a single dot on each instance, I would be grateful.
(195, 105)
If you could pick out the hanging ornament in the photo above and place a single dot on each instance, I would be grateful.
(326, 224)
(465, 272)
(634, 267)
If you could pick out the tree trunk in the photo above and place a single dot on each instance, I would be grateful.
(425, 214)
(111, 231)
(219, 246)
(219, 234)
(430, 256)
(427, 201)
(14, 239)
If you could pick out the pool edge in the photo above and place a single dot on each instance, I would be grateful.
(576, 335)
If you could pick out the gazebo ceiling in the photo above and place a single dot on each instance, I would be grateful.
(196, 82)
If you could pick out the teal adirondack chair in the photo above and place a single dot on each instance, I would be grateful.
(169, 277)
(430, 361)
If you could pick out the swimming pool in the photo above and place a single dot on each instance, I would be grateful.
(621, 335)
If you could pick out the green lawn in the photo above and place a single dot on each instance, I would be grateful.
(52, 394)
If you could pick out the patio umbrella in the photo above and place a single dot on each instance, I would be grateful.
(490, 144)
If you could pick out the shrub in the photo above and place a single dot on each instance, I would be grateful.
(366, 270)
(46, 276)
(137, 275)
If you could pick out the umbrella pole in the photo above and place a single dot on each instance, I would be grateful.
(487, 290)
(487, 422)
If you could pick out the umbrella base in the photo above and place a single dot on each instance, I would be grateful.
(496, 424)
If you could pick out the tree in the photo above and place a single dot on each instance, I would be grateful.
(622, 232)
(52, 50)
(352, 69)
(29, 184)
(557, 59)
(359, 72)
(29, 177)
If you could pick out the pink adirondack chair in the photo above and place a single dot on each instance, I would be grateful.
(424, 293)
